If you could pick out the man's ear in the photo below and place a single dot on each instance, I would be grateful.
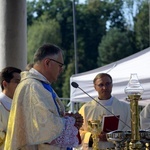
(4, 83)
(46, 62)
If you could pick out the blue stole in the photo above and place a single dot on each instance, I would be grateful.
(49, 88)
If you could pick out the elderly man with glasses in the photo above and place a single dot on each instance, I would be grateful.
(37, 119)
(103, 104)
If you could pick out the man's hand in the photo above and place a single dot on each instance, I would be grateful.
(78, 118)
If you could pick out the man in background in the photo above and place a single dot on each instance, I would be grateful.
(9, 79)
(94, 111)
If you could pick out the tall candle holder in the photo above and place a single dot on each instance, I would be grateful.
(134, 91)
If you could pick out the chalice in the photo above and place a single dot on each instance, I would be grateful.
(117, 137)
(94, 126)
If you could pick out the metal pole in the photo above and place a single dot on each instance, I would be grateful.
(75, 37)
(75, 44)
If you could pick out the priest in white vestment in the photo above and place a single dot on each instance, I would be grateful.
(5, 104)
(9, 79)
(94, 111)
(37, 117)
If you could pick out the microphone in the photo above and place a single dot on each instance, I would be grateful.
(75, 85)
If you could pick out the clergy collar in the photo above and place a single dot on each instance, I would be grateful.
(32, 70)
(107, 102)
(5, 101)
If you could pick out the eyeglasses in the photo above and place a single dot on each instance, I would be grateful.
(60, 64)
(102, 85)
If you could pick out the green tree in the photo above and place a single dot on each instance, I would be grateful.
(61, 11)
(66, 85)
(30, 12)
(130, 9)
(115, 45)
(42, 32)
(91, 26)
(116, 18)
(35, 9)
(142, 27)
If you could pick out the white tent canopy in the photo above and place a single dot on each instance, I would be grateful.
(120, 71)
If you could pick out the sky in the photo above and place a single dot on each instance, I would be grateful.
(81, 1)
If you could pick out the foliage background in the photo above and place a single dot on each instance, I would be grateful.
(107, 31)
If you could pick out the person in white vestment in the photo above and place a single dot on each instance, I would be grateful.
(145, 117)
(93, 111)
(37, 118)
(9, 79)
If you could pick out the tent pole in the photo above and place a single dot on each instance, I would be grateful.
(75, 37)
(72, 106)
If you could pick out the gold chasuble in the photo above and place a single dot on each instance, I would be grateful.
(93, 111)
(34, 118)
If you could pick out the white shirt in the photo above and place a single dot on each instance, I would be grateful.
(5, 101)
(5, 106)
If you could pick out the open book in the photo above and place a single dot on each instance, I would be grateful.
(110, 123)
